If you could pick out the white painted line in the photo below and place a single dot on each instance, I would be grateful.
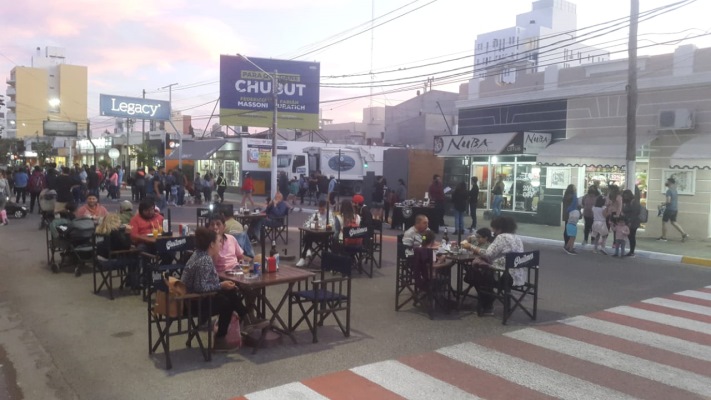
(665, 374)
(662, 318)
(409, 382)
(679, 305)
(695, 294)
(528, 374)
(652, 339)
(290, 391)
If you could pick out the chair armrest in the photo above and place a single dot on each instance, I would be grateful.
(329, 280)
(124, 252)
(149, 255)
(194, 296)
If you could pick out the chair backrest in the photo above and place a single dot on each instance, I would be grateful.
(203, 216)
(354, 236)
(422, 265)
(175, 244)
(81, 230)
(337, 263)
(226, 209)
(526, 259)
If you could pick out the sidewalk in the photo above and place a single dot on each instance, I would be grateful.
(693, 251)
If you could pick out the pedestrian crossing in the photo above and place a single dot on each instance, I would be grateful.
(659, 348)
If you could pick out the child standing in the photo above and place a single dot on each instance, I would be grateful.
(599, 227)
(571, 230)
(621, 232)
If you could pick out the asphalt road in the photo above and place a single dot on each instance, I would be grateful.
(65, 342)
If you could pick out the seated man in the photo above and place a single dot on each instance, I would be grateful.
(229, 254)
(126, 212)
(92, 209)
(145, 220)
(413, 236)
(276, 211)
(309, 238)
(232, 225)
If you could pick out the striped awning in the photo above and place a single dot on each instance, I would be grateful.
(592, 151)
(694, 153)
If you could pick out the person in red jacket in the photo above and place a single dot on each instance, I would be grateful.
(247, 189)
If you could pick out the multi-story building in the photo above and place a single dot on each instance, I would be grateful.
(49, 89)
(544, 36)
(415, 122)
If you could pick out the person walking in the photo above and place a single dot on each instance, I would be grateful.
(569, 197)
(21, 180)
(671, 210)
(630, 211)
(37, 183)
(4, 195)
(221, 186)
(377, 199)
(247, 189)
(588, 203)
(401, 190)
(459, 202)
(436, 194)
(473, 202)
(498, 193)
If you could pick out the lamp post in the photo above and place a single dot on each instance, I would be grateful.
(275, 99)
(170, 121)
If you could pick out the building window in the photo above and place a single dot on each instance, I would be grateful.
(496, 43)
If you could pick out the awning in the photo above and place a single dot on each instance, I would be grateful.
(589, 150)
(694, 153)
(197, 150)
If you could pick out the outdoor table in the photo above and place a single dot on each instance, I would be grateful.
(399, 220)
(321, 238)
(462, 260)
(257, 284)
(249, 219)
(150, 239)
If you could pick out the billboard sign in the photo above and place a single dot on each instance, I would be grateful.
(491, 144)
(133, 107)
(59, 128)
(246, 97)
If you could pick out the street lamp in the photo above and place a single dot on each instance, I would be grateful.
(275, 99)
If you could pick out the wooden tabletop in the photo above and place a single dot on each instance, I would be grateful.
(286, 274)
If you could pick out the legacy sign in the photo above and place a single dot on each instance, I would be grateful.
(491, 144)
(134, 107)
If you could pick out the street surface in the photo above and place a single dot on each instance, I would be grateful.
(65, 342)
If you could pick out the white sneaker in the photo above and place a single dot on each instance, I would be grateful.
(309, 254)
(301, 263)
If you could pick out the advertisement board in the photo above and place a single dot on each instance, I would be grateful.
(59, 128)
(133, 107)
(491, 144)
(246, 97)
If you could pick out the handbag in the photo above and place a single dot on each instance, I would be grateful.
(166, 304)
(661, 209)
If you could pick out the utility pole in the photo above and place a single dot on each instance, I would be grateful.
(631, 154)
(143, 122)
(180, 135)
(275, 99)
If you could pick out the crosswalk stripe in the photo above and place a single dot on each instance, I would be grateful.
(675, 311)
(529, 374)
(687, 299)
(291, 391)
(660, 328)
(665, 319)
(679, 305)
(696, 294)
(409, 382)
(346, 385)
(679, 346)
(599, 355)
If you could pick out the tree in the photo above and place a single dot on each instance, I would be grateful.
(5, 147)
(43, 150)
(145, 154)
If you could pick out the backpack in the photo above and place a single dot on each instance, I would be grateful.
(643, 214)
(36, 183)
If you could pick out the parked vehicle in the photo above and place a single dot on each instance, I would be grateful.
(16, 210)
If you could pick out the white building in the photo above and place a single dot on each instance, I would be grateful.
(544, 36)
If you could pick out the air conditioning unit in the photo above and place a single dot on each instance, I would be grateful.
(679, 119)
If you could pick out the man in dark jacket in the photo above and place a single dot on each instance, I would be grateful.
(473, 201)
(436, 193)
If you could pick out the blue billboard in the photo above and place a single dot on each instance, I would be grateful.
(133, 107)
(246, 97)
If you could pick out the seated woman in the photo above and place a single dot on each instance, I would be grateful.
(230, 253)
(482, 238)
(350, 219)
(200, 276)
(115, 236)
(431, 271)
(484, 280)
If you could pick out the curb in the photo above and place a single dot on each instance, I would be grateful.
(702, 262)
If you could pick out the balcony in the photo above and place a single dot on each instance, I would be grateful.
(11, 91)
(10, 80)
(11, 105)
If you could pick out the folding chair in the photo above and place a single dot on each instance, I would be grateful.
(432, 283)
(325, 296)
(173, 314)
(169, 256)
(203, 216)
(355, 245)
(280, 231)
(119, 264)
(404, 277)
(526, 264)
(374, 243)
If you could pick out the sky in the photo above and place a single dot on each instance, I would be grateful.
(132, 45)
